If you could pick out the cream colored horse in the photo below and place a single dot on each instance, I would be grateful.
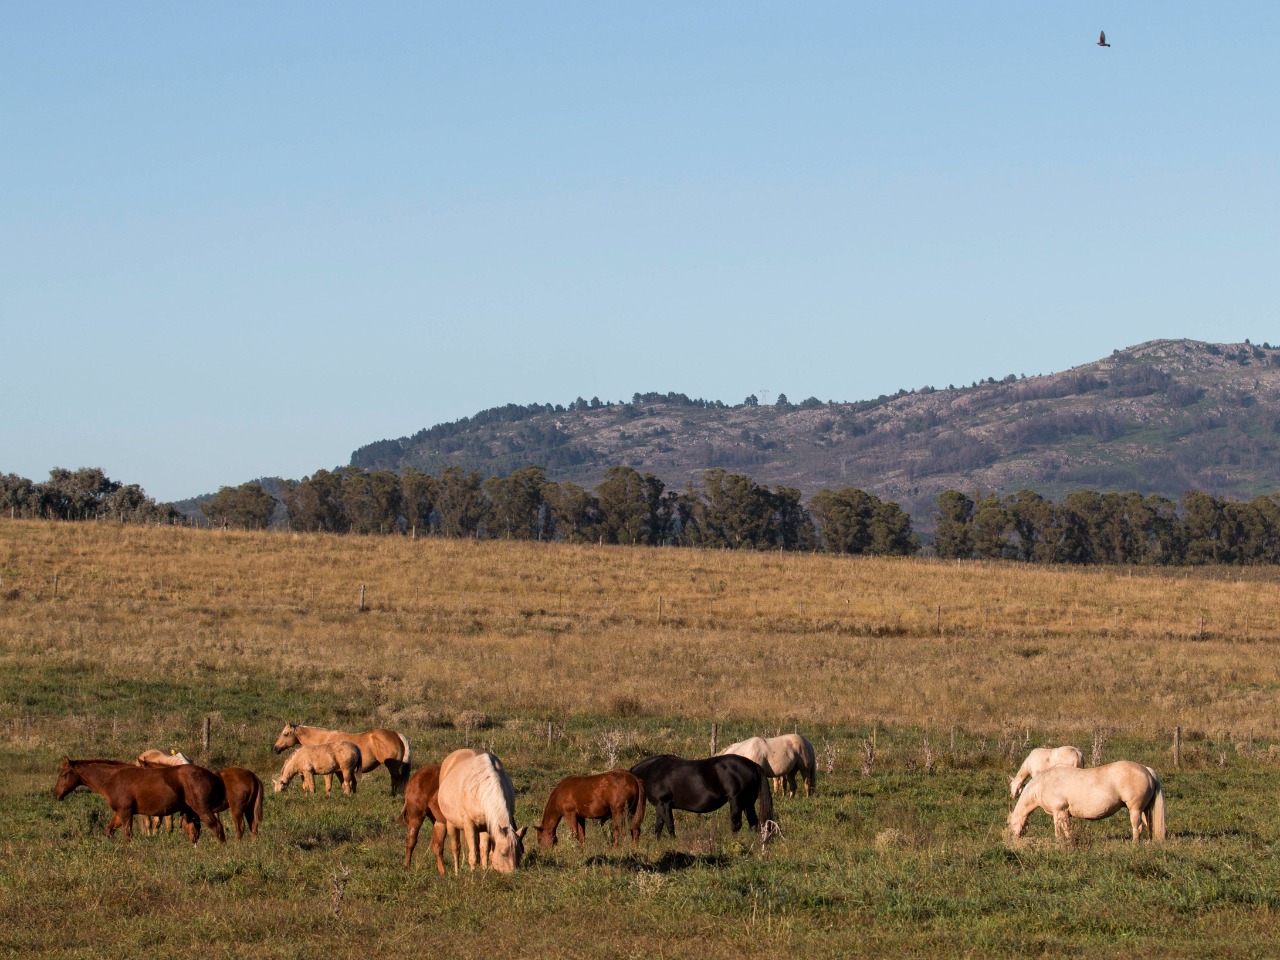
(321, 759)
(782, 758)
(1093, 794)
(382, 746)
(1041, 759)
(478, 803)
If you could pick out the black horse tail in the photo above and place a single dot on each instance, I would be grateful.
(764, 800)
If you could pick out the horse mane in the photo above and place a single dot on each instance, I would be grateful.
(487, 782)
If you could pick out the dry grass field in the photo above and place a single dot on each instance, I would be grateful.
(569, 659)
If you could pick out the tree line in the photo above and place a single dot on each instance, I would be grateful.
(1092, 527)
(84, 494)
(626, 507)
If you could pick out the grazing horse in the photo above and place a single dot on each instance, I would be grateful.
(130, 791)
(782, 758)
(243, 789)
(1041, 759)
(604, 796)
(325, 759)
(700, 786)
(383, 746)
(1092, 794)
(421, 802)
(476, 797)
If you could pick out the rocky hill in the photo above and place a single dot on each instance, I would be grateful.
(1162, 417)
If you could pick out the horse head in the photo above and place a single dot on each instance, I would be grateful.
(508, 848)
(68, 779)
(278, 784)
(546, 837)
(288, 738)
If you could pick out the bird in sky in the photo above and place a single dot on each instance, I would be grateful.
(1102, 39)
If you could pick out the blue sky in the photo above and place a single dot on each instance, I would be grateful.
(240, 240)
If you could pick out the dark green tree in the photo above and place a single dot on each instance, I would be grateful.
(953, 532)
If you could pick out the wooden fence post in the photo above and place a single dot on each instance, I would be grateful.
(206, 738)
(362, 598)
(715, 731)
(1177, 747)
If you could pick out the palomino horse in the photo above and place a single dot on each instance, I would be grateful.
(605, 796)
(131, 791)
(383, 746)
(700, 786)
(476, 797)
(782, 758)
(1041, 759)
(1092, 794)
(422, 802)
(322, 759)
(243, 789)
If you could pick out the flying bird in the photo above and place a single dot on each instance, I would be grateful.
(1102, 39)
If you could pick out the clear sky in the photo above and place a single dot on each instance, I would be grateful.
(242, 239)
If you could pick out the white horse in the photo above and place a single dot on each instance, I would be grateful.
(479, 803)
(782, 758)
(1092, 794)
(1041, 759)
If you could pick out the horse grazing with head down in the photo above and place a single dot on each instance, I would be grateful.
(132, 791)
(1041, 759)
(605, 796)
(321, 759)
(422, 802)
(781, 758)
(701, 786)
(1093, 794)
(478, 802)
(382, 746)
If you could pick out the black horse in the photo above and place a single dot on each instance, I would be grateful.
(700, 786)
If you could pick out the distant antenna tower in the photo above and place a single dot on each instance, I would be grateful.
(764, 398)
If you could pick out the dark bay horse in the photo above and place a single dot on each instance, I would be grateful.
(700, 786)
(605, 796)
(131, 791)
(420, 804)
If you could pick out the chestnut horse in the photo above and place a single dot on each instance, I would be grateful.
(421, 802)
(383, 746)
(700, 786)
(243, 788)
(604, 796)
(190, 790)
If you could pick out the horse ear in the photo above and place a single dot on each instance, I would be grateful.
(521, 832)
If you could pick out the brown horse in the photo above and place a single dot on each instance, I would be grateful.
(243, 788)
(602, 797)
(130, 791)
(383, 746)
(421, 803)
(244, 799)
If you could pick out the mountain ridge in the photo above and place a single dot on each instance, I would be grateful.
(1160, 417)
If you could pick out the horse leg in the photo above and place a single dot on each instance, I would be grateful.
(472, 837)
(579, 824)
(735, 814)
(749, 808)
(438, 831)
(1062, 825)
(411, 839)
(615, 815)
(455, 844)
(661, 814)
(1136, 818)
(308, 782)
(790, 780)
(328, 782)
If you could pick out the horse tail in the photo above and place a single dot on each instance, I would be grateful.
(1155, 813)
(764, 799)
(405, 759)
(257, 807)
(638, 819)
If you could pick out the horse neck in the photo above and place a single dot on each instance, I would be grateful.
(95, 773)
